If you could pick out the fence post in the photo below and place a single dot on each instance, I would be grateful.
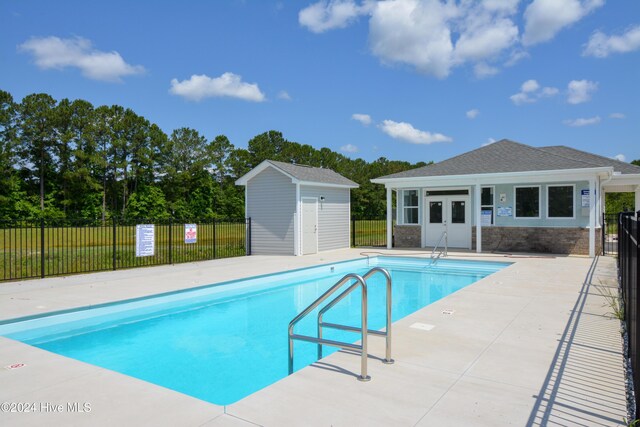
(248, 244)
(353, 232)
(214, 238)
(42, 257)
(113, 239)
(171, 240)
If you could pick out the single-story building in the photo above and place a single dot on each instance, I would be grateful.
(508, 196)
(296, 209)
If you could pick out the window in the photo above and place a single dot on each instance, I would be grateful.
(410, 206)
(457, 212)
(527, 202)
(486, 200)
(560, 201)
(435, 212)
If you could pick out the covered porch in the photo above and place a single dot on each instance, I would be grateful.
(543, 211)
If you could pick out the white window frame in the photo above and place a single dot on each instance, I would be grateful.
(404, 222)
(515, 202)
(573, 186)
(493, 201)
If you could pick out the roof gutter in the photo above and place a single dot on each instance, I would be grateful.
(607, 170)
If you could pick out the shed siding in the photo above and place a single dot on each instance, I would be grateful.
(271, 205)
(333, 216)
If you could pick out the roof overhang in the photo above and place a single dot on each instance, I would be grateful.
(624, 179)
(497, 178)
(243, 180)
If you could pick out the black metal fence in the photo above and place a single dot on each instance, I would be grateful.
(52, 247)
(369, 232)
(628, 266)
(609, 233)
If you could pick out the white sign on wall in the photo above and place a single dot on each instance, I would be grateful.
(585, 198)
(145, 239)
(485, 217)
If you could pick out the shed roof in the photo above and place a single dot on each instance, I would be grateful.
(507, 156)
(303, 174)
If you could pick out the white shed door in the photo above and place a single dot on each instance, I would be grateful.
(309, 225)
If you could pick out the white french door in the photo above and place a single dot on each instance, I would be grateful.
(451, 214)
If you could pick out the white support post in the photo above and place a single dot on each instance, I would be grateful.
(477, 202)
(389, 220)
(592, 218)
(297, 225)
(638, 198)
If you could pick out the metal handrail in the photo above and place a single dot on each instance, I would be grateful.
(446, 244)
(363, 347)
(336, 300)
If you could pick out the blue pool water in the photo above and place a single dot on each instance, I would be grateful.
(221, 343)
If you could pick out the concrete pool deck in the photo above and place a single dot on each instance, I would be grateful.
(533, 344)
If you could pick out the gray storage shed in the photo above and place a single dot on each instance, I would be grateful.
(296, 209)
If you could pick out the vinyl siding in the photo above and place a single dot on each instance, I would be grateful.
(271, 205)
(333, 216)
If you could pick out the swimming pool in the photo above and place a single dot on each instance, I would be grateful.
(223, 342)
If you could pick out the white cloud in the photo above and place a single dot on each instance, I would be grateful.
(521, 98)
(483, 70)
(617, 116)
(531, 91)
(620, 157)
(349, 148)
(434, 36)
(328, 15)
(516, 56)
(546, 18)
(405, 131)
(57, 53)
(530, 86)
(202, 86)
(472, 114)
(283, 94)
(365, 119)
(600, 45)
(579, 91)
(489, 142)
(582, 122)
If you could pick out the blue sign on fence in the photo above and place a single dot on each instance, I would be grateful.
(190, 233)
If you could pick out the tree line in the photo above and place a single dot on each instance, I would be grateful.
(70, 159)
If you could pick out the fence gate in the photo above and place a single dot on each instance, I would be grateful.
(609, 233)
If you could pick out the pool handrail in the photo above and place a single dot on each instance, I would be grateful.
(446, 244)
(363, 347)
(386, 333)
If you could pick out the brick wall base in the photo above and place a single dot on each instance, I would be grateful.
(407, 236)
(557, 240)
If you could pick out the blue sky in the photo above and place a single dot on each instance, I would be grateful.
(404, 79)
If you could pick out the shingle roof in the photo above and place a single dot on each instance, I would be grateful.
(313, 174)
(618, 166)
(508, 156)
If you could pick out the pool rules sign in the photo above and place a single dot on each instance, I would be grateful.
(190, 233)
(145, 240)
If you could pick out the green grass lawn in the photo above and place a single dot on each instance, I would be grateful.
(370, 232)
